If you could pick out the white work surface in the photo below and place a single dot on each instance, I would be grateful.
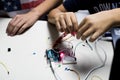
(26, 59)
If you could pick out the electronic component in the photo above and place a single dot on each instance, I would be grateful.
(56, 56)
(53, 55)
(61, 51)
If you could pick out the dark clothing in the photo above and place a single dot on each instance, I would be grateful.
(116, 62)
(92, 6)
(1, 5)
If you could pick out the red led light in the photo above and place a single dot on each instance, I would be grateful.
(61, 55)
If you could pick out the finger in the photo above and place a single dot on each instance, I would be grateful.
(23, 28)
(58, 26)
(87, 33)
(95, 36)
(17, 27)
(82, 30)
(14, 19)
(69, 23)
(82, 23)
(12, 25)
(9, 24)
(63, 24)
(74, 22)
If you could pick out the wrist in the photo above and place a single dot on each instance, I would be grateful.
(35, 12)
(115, 13)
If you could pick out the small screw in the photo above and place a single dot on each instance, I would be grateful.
(34, 53)
(9, 49)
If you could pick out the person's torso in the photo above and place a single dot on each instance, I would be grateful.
(92, 5)
(102, 5)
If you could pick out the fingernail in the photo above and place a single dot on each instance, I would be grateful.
(78, 37)
(91, 40)
(83, 38)
(73, 33)
(11, 34)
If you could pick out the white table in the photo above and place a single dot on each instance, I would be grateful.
(26, 59)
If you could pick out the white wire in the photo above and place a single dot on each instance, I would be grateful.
(5, 67)
(103, 62)
(95, 68)
(80, 44)
(53, 71)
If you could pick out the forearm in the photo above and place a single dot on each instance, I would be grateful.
(116, 16)
(46, 6)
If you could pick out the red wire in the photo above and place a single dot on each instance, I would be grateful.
(59, 40)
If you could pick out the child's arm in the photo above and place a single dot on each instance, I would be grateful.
(22, 22)
(64, 21)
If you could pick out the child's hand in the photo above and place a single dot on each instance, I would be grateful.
(95, 25)
(20, 23)
(66, 22)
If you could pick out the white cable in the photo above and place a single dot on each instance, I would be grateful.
(103, 62)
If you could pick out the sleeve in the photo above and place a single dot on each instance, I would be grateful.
(1, 5)
(75, 5)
